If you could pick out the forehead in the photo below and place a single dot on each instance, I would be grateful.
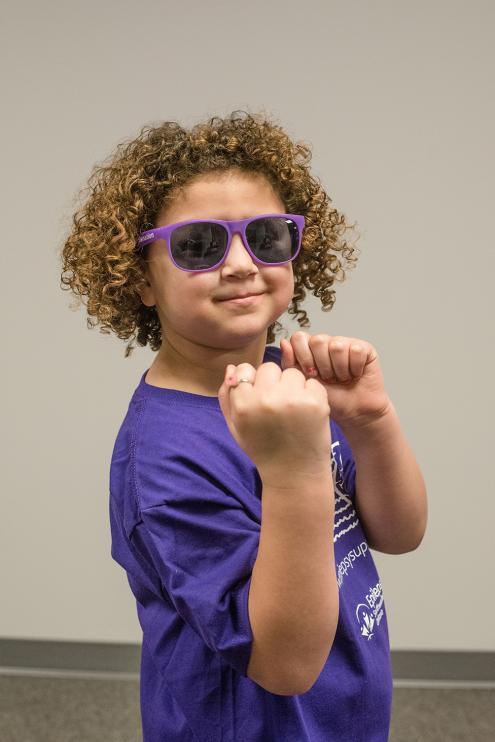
(225, 195)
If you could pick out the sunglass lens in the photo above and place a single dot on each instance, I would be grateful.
(273, 239)
(198, 246)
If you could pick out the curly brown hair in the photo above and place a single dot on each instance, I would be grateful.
(125, 193)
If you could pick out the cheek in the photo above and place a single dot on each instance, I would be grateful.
(279, 277)
(187, 297)
(284, 285)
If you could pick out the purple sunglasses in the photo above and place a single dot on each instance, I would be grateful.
(202, 244)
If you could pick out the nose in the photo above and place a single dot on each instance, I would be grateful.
(238, 256)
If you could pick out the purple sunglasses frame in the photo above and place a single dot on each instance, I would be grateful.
(233, 226)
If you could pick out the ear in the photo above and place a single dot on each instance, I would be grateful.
(147, 294)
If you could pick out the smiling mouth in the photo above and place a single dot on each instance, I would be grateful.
(243, 296)
(243, 301)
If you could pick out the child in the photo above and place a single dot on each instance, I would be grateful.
(258, 625)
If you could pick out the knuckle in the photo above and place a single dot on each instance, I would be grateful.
(267, 402)
(318, 339)
(241, 409)
(320, 391)
(293, 402)
(271, 363)
(293, 371)
(244, 368)
(312, 403)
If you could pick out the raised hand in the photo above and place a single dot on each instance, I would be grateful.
(280, 419)
(348, 368)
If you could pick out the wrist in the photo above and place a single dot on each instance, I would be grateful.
(376, 426)
(289, 478)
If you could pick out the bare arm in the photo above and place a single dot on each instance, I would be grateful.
(293, 598)
(390, 490)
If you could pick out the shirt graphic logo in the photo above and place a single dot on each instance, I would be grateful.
(370, 613)
(345, 516)
(347, 562)
(365, 620)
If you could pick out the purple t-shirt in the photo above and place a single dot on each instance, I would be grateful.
(185, 517)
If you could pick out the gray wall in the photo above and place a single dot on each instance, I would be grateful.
(397, 100)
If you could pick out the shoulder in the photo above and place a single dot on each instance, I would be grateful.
(186, 452)
(274, 354)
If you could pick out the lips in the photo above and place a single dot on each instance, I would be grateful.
(241, 296)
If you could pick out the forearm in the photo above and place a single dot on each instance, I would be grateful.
(293, 599)
(390, 490)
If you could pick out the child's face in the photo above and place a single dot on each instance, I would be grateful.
(188, 303)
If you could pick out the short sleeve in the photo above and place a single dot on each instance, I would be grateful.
(344, 461)
(203, 543)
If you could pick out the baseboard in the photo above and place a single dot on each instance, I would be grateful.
(443, 665)
(89, 658)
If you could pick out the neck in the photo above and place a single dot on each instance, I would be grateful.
(199, 368)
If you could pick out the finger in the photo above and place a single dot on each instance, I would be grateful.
(223, 393)
(241, 371)
(319, 392)
(293, 378)
(357, 359)
(267, 374)
(230, 375)
(288, 358)
(321, 354)
(302, 351)
(339, 354)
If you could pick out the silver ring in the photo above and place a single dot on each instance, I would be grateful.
(239, 381)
